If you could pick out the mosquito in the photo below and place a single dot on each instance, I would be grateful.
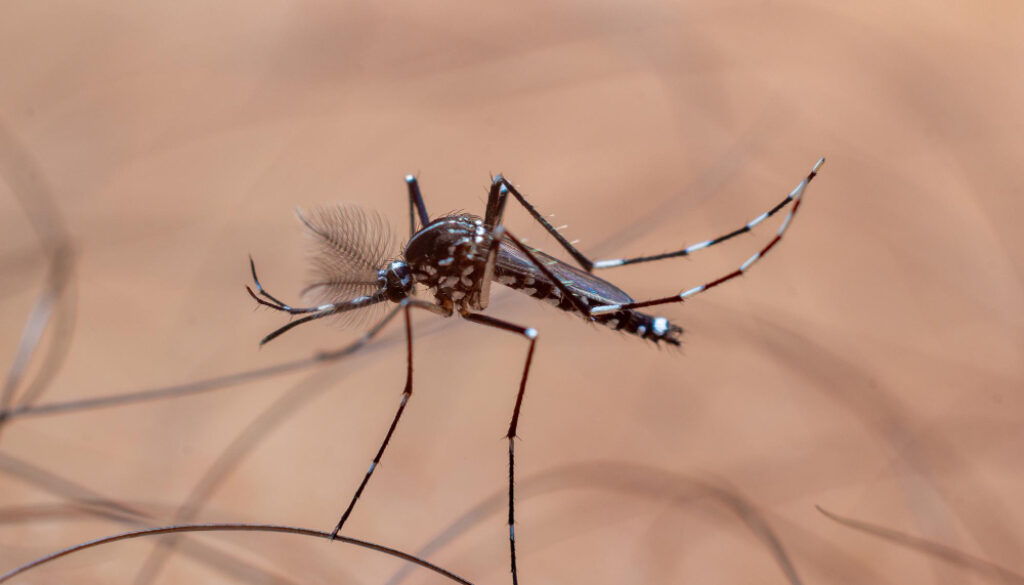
(457, 257)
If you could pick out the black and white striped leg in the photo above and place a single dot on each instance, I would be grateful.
(591, 265)
(405, 306)
(796, 196)
(416, 205)
(531, 334)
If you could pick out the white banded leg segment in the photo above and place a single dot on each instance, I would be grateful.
(751, 260)
(608, 263)
(603, 309)
(699, 246)
(692, 291)
(758, 220)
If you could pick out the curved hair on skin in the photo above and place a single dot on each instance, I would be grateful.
(348, 245)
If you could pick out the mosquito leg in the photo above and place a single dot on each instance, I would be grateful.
(793, 196)
(531, 334)
(404, 306)
(591, 265)
(496, 199)
(796, 195)
(499, 203)
(484, 292)
(416, 205)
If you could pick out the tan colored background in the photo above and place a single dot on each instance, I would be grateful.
(872, 365)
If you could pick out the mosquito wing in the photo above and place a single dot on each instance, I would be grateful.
(512, 260)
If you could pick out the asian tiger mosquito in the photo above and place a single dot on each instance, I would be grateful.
(457, 257)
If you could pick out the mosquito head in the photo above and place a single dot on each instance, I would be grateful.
(396, 280)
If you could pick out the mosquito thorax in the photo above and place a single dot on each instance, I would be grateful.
(449, 257)
(396, 280)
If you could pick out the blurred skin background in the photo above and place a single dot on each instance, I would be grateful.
(871, 365)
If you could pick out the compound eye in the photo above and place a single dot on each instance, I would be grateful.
(399, 279)
(401, 272)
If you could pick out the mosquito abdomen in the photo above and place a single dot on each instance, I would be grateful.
(656, 329)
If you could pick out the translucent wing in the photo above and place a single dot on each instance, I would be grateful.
(348, 246)
(511, 259)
